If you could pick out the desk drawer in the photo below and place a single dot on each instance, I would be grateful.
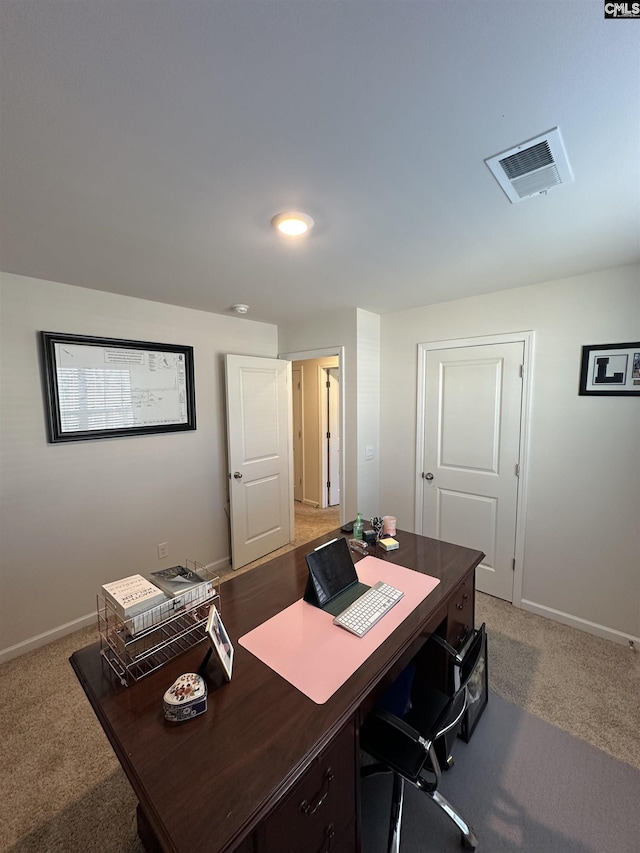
(315, 816)
(460, 613)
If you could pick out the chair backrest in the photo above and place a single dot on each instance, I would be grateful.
(471, 656)
(388, 739)
(454, 709)
(403, 743)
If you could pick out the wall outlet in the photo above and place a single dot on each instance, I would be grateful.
(163, 550)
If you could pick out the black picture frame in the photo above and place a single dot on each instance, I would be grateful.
(610, 370)
(97, 388)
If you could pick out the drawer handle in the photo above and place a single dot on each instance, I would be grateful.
(330, 834)
(462, 637)
(308, 808)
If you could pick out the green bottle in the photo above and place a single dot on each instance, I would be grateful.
(357, 528)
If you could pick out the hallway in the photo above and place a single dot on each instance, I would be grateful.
(310, 522)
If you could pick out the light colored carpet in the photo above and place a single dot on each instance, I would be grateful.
(62, 789)
(310, 522)
(525, 786)
(583, 684)
(61, 786)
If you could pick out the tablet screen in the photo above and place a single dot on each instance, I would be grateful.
(331, 569)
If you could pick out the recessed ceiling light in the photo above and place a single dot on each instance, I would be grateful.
(292, 224)
(240, 308)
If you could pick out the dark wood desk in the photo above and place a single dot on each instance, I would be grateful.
(252, 773)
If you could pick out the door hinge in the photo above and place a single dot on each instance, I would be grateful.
(521, 371)
(328, 384)
(329, 484)
(517, 469)
(513, 565)
(328, 435)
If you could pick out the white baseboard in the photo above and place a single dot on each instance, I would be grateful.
(218, 565)
(540, 610)
(47, 637)
(581, 624)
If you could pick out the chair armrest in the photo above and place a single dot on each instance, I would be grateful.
(447, 647)
(394, 742)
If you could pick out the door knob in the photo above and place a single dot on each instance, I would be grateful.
(428, 476)
(238, 475)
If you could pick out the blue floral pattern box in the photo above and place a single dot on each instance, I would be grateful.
(186, 698)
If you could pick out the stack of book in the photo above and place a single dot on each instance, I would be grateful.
(183, 585)
(142, 603)
(131, 597)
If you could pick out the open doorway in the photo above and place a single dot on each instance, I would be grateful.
(310, 522)
(316, 432)
(318, 454)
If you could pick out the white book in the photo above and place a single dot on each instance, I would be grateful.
(154, 616)
(133, 595)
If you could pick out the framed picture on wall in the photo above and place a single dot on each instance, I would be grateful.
(107, 388)
(610, 370)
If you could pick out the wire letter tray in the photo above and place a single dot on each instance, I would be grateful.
(137, 646)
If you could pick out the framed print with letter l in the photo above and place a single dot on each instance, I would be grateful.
(610, 370)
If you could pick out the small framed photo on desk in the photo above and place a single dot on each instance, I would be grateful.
(220, 641)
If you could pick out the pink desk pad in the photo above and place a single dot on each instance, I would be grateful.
(302, 644)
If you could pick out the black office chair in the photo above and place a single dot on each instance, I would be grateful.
(404, 741)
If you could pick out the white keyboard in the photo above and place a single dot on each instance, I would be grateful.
(365, 611)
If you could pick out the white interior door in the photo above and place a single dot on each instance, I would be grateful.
(259, 428)
(296, 390)
(473, 403)
(333, 379)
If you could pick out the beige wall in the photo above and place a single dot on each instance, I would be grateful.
(582, 544)
(369, 498)
(73, 516)
(76, 515)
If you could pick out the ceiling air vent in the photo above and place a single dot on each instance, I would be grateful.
(533, 167)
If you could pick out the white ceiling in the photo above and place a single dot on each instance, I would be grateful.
(146, 144)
